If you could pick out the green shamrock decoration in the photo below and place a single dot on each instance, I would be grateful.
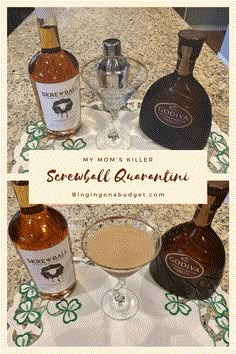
(23, 340)
(68, 309)
(69, 144)
(223, 322)
(218, 141)
(28, 289)
(37, 130)
(174, 306)
(30, 145)
(26, 313)
(224, 159)
(217, 302)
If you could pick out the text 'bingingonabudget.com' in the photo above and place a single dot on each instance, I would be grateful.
(118, 195)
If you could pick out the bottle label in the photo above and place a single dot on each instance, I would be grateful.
(173, 115)
(51, 269)
(183, 265)
(60, 104)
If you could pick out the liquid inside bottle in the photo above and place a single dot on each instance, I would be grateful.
(176, 110)
(54, 74)
(40, 235)
(192, 258)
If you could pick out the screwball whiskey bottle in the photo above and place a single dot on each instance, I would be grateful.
(176, 110)
(40, 235)
(192, 258)
(54, 74)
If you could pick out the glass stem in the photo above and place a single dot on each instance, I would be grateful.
(117, 294)
(112, 132)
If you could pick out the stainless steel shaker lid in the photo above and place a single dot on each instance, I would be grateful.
(111, 46)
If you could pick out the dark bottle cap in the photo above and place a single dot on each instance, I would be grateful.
(111, 46)
(217, 191)
(20, 183)
(191, 38)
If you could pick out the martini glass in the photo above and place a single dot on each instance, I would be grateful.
(120, 245)
(114, 80)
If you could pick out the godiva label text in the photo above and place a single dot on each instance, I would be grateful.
(183, 265)
(173, 115)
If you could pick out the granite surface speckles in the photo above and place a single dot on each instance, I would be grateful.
(147, 34)
(79, 217)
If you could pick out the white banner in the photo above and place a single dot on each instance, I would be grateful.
(118, 177)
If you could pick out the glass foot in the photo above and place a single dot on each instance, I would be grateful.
(120, 142)
(120, 304)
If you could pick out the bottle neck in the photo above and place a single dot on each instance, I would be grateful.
(48, 34)
(217, 191)
(21, 190)
(203, 215)
(185, 65)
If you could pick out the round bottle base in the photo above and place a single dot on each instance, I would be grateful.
(120, 305)
(63, 133)
(58, 296)
(121, 143)
(185, 288)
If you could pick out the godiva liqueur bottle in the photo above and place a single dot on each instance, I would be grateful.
(192, 258)
(176, 110)
(54, 74)
(40, 235)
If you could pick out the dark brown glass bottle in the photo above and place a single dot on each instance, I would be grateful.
(40, 235)
(176, 110)
(54, 74)
(192, 258)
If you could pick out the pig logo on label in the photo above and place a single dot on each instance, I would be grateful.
(52, 271)
(62, 106)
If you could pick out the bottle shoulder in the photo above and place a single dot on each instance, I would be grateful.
(53, 67)
(174, 85)
(193, 239)
(38, 231)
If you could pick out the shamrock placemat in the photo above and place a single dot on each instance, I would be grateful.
(163, 319)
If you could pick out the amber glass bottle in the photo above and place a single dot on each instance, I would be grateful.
(54, 74)
(192, 258)
(176, 110)
(40, 235)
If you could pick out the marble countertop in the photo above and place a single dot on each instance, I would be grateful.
(81, 216)
(147, 34)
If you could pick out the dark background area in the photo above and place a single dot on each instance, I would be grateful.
(16, 15)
